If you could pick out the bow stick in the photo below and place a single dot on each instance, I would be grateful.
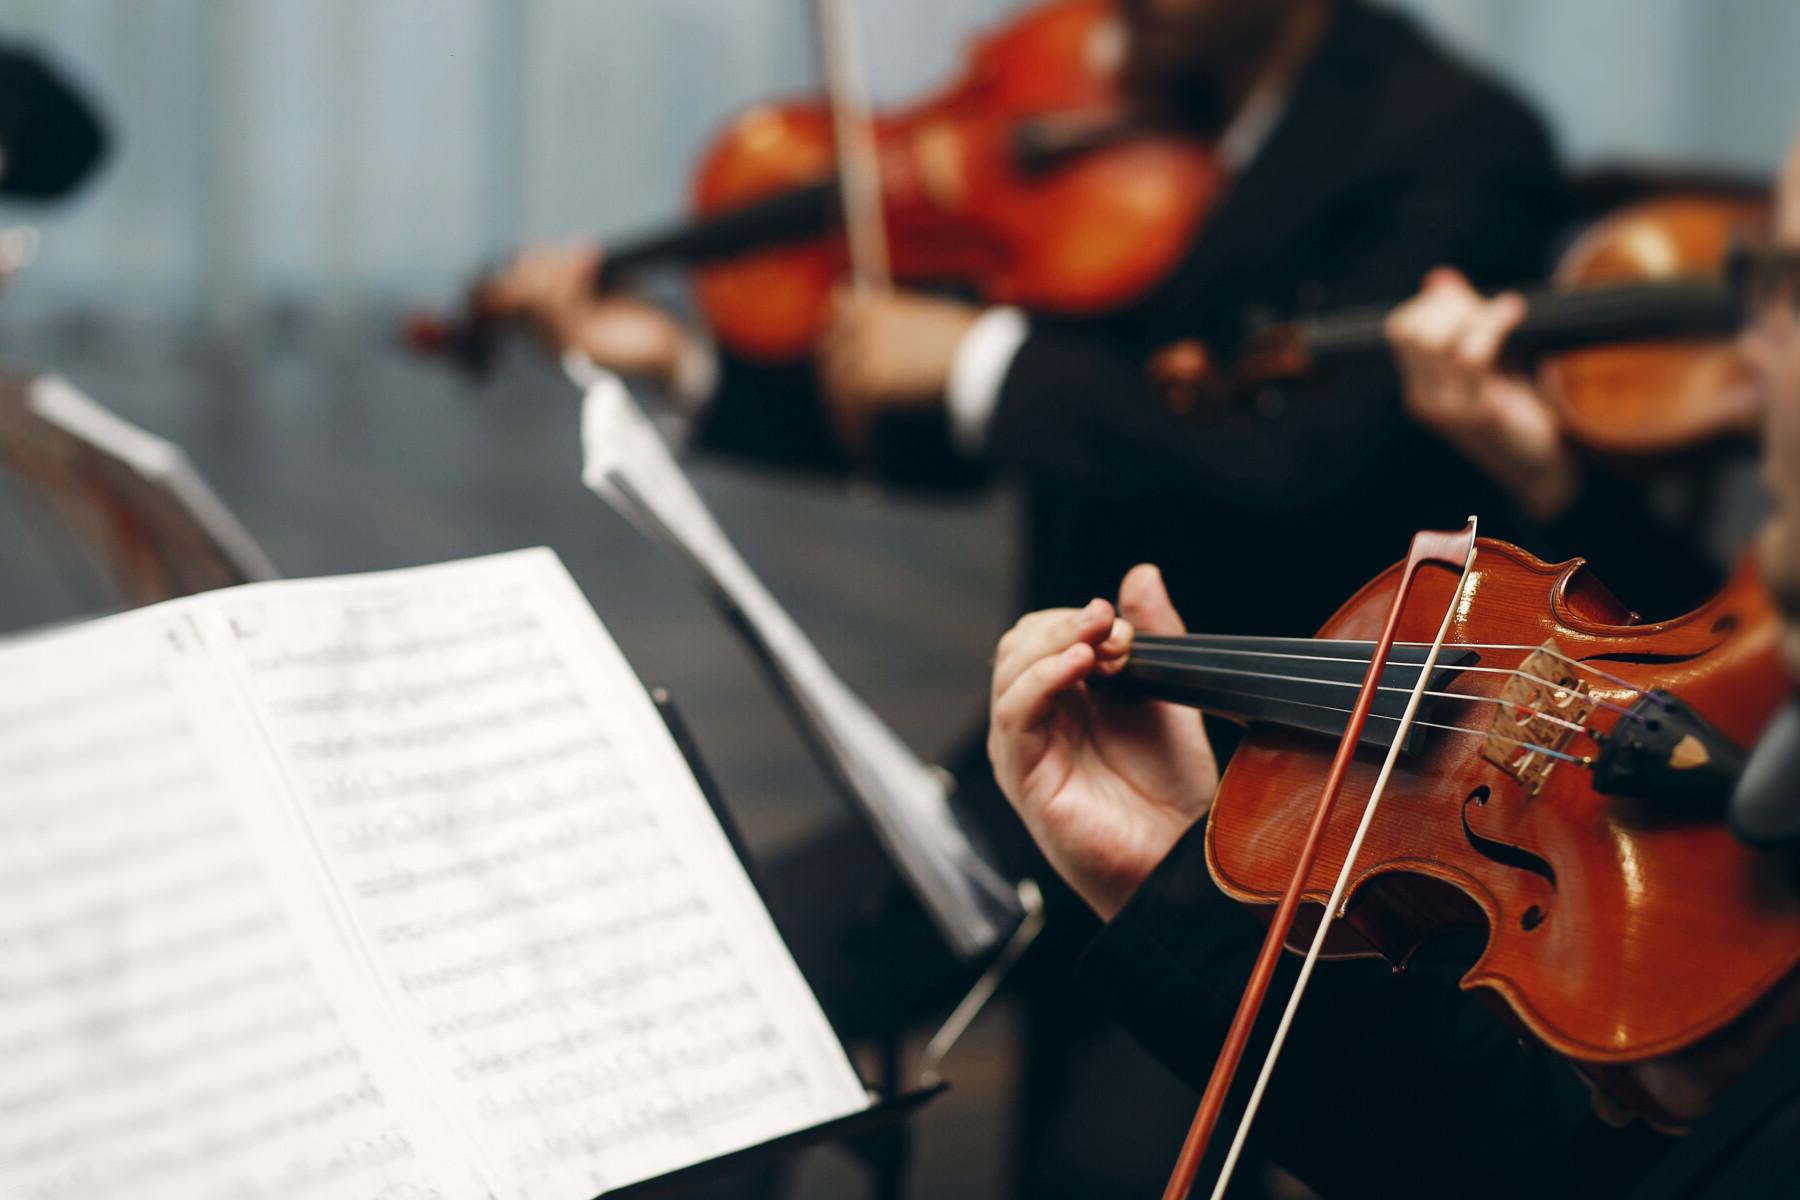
(1455, 550)
(858, 164)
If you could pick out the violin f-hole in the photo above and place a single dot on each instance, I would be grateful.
(1507, 854)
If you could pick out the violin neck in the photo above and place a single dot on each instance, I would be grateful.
(1556, 321)
(1304, 684)
(797, 213)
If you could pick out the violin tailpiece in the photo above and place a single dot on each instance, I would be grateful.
(1663, 750)
(1542, 706)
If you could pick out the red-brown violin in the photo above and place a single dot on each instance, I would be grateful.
(1023, 180)
(1562, 783)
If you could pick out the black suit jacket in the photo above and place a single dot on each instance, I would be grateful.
(1389, 159)
(1401, 1085)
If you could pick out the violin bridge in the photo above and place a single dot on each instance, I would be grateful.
(1542, 706)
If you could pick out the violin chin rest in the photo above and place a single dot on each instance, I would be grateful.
(1765, 806)
(1664, 753)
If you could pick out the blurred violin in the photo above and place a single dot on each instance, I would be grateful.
(1631, 339)
(1560, 776)
(1024, 180)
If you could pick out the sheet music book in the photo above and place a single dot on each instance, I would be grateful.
(387, 887)
(905, 800)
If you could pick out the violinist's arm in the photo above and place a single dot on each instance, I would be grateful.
(1446, 343)
(1077, 414)
(551, 287)
(766, 412)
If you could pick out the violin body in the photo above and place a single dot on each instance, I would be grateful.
(1023, 182)
(1637, 938)
(1018, 181)
(1654, 397)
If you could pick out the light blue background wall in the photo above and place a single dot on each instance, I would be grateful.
(340, 153)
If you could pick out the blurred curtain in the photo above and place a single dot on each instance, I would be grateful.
(334, 154)
(339, 153)
(1711, 82)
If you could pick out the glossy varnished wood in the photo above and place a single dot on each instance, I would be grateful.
(1650, 398)
(1084, 233)
(1642, 934)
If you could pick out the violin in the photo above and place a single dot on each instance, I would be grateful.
(1631, 339)
(1651, 395)
(1024, 180)
(1561, 780)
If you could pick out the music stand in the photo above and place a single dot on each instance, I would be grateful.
(131, 499)
(877, 1134)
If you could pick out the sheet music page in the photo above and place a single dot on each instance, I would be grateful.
(570, 946)
(627, 463)
(180, 1016)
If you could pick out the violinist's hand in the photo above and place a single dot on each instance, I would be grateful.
(1106, 784)
(1446, 341)
(550, 286)
(886, 350)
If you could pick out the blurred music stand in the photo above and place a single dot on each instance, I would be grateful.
(131, 499)
(985, 923)
(880, 1137)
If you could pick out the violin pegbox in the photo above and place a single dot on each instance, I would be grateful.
(1543, 706)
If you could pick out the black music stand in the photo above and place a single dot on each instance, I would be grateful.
(878, 1135)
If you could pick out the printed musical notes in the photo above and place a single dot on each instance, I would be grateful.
(166, 1026)
(386, 882)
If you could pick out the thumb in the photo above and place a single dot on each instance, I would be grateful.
(1446, 277)
(1144, 601)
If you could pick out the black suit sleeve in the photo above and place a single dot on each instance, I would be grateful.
(1389, 1084)
(1077, 411)
(51, 137)
(772, 414)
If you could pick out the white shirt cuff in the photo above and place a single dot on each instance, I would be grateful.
(696, 377)
(978, 372)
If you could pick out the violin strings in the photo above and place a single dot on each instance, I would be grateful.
(1184, 646)
(1253, 997)
(1189, 639)
(1513, 671)
(1608, 676)
(1577, 759)
(1381, 687)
